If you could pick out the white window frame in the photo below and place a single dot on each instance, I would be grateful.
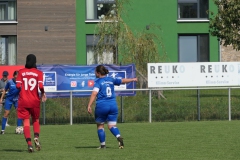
(92, 7)
(8, 50)
(197, 19)
(196, 40)
(106, 57)
(10, 11)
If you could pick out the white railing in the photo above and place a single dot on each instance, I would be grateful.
(150, 97)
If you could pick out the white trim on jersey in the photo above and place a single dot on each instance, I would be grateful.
(96, 89)
(18, 82)
(112, 123)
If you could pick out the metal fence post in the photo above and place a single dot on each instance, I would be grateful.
(44, 116)
(198, 104)
(71, 116)
(122, 109)
(150, 106)
(121, 103)
(229, 104)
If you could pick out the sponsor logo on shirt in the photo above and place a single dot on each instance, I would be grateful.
(30, 74)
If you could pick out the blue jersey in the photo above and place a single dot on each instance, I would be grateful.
(12, 91)
(105, 88)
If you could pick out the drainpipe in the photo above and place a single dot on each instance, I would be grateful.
(219, 51)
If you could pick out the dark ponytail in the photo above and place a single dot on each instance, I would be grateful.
(31, 61)
(102, 70)
(15, 73)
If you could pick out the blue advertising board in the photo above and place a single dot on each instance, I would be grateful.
(50, 81)
(81, 78)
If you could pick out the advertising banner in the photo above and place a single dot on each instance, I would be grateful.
(193, 74)
(10, 69)
(74, 77)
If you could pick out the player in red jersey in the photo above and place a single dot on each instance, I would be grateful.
(29, 80)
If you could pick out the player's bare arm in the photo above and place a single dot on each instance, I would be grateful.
(127, 80)
(43, 94)
(3, 94)
(43, 97)
(92, 98)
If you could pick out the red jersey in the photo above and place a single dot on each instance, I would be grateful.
(29, 80)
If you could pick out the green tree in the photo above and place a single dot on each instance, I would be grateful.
(138, 47)
(226, 23)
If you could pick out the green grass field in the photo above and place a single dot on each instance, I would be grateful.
(201, 140)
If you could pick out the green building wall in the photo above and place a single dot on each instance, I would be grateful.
(142, 13)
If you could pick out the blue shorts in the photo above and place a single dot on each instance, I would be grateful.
(8, 104)
(106, 111)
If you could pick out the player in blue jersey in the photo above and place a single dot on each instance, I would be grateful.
(11, 99)
(106, 105)
(3, 83)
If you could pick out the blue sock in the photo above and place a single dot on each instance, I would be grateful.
(4, 121)
(115, 131)
(101, 135)
(19, 122)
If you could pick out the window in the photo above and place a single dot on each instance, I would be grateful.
(8, 49)
(105, 58)
(97, 9)
(193, 48)
(192, 9)
(7, 10)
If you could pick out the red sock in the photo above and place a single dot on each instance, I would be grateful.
(29, 142)
(36, 127)
(26, 128)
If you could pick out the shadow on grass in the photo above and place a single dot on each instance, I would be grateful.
(11, 133)
(14, 150)
(95, 147)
